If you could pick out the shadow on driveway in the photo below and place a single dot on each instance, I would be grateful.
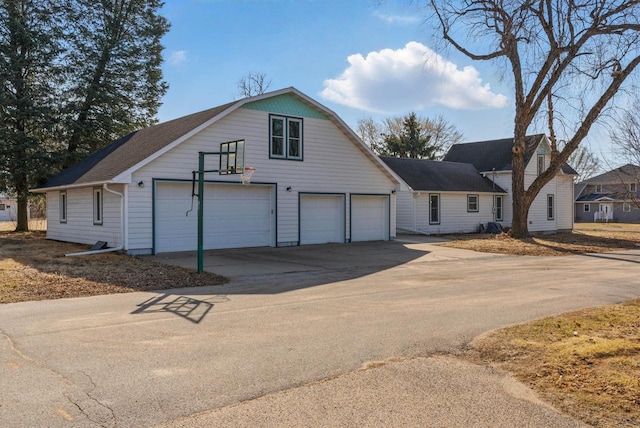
(277, 270)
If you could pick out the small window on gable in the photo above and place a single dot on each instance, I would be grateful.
(63, 207)
(285, 137)
(626, 207)
(633, 187)
(587, 208)
(550, 207)
(541, 167)
(598, 188)
(97, 205)
(472, 203)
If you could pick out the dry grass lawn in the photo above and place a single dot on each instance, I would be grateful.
(32, 268)
(585, 238)
(586, 363)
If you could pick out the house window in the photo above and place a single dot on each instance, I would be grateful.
(472, 203)
(626, 207)
(2, 207)
(587, 208)
(285, 138)
(434, 208)
(540, 164)
(598, 188)
(499, 203)
(633, 188)
(97, 205)
(63, 207)
(550, 207)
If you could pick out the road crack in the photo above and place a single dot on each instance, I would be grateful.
(70, 384)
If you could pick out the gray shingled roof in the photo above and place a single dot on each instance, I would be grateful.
(440, 176)
(625, 174)
(487, 155)
(126, 152)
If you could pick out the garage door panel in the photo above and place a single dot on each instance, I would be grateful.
(321, 219)
(234, 217)
(369, 218)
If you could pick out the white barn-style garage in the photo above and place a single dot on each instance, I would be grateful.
(315, 182)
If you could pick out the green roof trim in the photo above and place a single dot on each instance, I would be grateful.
(286, 104)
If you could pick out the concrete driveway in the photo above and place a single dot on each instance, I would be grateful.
(335, 336)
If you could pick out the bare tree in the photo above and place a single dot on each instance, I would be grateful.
(626, 135)
(584, 162)
(566, 59)
(254, 83)
(440, 134)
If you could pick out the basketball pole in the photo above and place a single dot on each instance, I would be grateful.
(234, 164)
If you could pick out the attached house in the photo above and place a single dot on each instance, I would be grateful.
(445, 197)
(610, 197)
(472, 186)
(8, 208)
(315, 182)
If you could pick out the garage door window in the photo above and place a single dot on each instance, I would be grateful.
(286, 138)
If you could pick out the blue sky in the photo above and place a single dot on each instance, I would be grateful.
(360, 58)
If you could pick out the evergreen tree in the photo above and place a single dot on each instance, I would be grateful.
(29, 33)
(409, 136)
(115, 80)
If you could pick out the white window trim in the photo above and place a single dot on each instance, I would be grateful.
(551, 207)
(63, 202)
(587, 208)
(541, 164)
(598, 188)
(285, 149)
(436, 195)
(98, 206)
(626, 207)
(499, 210)
(633, 187)
(477, 203)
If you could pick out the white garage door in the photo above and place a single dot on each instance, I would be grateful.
(234, 217)
(321, 219)
(369, 218)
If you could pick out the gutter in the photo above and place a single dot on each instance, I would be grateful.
(108, 250)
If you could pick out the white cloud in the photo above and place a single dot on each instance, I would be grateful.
(412, 78)
(397, 19)
(177, 57)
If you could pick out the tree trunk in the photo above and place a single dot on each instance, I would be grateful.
(521, 202)
(22, 189)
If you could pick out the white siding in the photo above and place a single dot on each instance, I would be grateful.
(79, 226)
(332, 164)
(564, 202)
(404, 211)
(454, 217)
(10, 209)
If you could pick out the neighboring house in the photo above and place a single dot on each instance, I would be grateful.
(612, 196)
(551, 210)
(315, 182)
(8, 208)
(445, 197)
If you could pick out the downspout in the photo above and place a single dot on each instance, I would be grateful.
(108, 250)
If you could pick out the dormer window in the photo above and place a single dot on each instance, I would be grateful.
(541, 167)
(285, 137)
(598, 188)
(633, 187)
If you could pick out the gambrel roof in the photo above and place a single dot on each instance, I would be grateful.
(115, 162)
(441, 176)
(496, 154)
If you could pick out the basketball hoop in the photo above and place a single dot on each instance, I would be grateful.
(247, 172)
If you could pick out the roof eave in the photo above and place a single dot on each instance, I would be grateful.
(69, 186)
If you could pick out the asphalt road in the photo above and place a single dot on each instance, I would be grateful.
(332, 336)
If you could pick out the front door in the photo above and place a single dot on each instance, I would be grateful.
(606, 211)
